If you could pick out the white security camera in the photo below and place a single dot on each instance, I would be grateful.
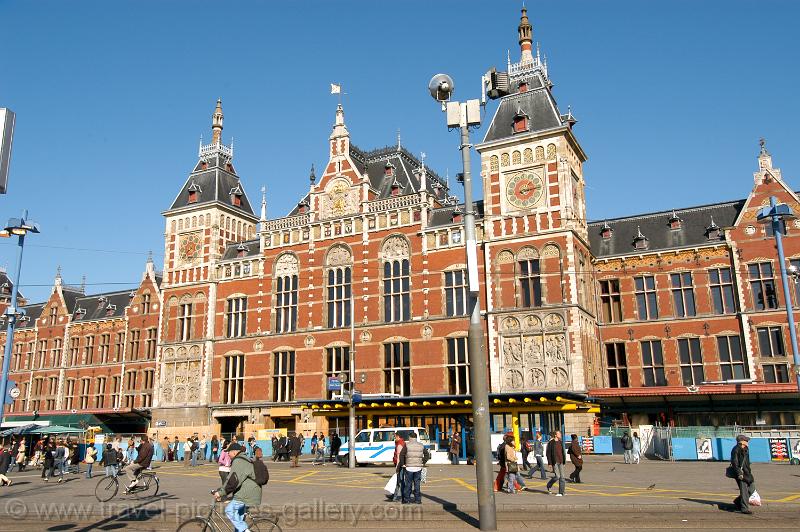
(441, 87)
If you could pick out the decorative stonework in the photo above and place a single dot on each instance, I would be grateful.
(287, 264)
(339, 256)
(366, 337)
(395, 247)
(551, 151)
(340, 199)
(310, 341)
(427, 332)
(660, 259)
(258, 345)
(181, 375)
(534, 354)
(550, 250)
(505, 257)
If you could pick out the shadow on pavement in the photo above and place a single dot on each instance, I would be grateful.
(723, 506)
(452, 509)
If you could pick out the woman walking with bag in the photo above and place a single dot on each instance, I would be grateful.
(20, 458)
(91, 453)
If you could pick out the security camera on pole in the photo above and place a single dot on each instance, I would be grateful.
(464, 115)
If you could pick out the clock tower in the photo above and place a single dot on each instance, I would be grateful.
(210, 212)
(537, 258)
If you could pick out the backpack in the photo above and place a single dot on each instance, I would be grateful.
(528, 446)
(260, 472)
(426, 455)
(194, 445)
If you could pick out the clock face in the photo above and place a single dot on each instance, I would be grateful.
(189, 247)
(524, 190)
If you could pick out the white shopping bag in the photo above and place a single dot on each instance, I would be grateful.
(423, 475)
(755, 499)
(391, 486)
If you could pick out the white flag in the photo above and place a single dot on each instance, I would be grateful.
(336, 89)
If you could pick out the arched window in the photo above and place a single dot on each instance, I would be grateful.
(396, 279)
(287, 270)
(529, 278)
(339, 286)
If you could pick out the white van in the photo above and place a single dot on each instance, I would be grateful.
(376, 446)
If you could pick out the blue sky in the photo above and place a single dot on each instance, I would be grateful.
(112, 97)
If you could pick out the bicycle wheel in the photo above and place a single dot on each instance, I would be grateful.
(149, 486)
(106, 488)
(264, 524)
(195, 524)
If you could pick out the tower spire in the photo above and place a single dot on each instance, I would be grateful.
(216, 124)
(525, 37)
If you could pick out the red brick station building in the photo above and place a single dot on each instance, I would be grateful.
(674, 317)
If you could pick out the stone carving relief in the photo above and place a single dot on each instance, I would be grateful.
(550, 251)
(287, 264)
(534, 353)
(181, 375)
(539, 153)
(395, 247)
(505, 257)
(527, 253)
(340, 199)
(258, 345)
(427, 331)
(528, 155)
(366, 336)
(310, 341)
(339, 256)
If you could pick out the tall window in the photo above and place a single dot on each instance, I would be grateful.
(339, 294)
(721, 290)
(796, 264)
(457, 366)
(86, 384)
(653, 363)
(397, 368)
(286, 304)
(147, 387)
(69, 396)
(530, 283)
(145, 303)
(55, 353)
(116, 382)
(52, 391)
(683, 294)
(338, 361)
(770, 342)
(17, 356)
(233, 380)
(118, 346)
(53, 315)
(74, 351)
(41, 355)
(646, 300)
(731, 358)
(610, 300)
(150, 343)
(283, 376)
(88, 350)
(691, 361)
(455, 293)
(130, 388)
(100, 393)
(762, 286)
(134, 344)
(617, 365)
(105, 345)
(36, 394)
(396, 290)
(184, 322)
(236, 316)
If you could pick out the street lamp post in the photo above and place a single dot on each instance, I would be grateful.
(775, 214)
(19, 227)
(463, 115)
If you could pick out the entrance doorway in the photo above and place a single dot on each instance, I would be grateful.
(229, 426)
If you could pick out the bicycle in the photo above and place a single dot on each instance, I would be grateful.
(216, 521)
(107, 487)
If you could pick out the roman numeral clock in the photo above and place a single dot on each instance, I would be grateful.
(525, 189)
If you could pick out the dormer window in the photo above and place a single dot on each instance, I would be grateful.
(520, 121)
(713, 231)
(674, 221)
(523, 86)
(458, 216)
(236, 196)
(203, 165)
(302, 207)
(388, 170)
(194, 192)
(110, 310)
(640, 241)
(79, 313)
(241, 250)
(397, 188)
(5, 289)
(606, 232)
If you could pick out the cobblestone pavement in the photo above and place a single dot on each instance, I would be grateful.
(651, 495)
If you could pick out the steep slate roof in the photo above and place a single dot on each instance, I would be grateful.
(216, 182)
(5, 280)
(97, 305)
(71, 295)
(655, 226)
(33, 312)
(232, 250)
(537, 103)
(444, 215)
(405, 170)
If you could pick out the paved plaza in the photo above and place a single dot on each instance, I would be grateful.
(652, 495)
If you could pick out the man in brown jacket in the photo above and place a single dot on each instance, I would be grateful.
(576, 456)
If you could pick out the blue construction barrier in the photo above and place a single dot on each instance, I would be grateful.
(603, 445)
(684, 449)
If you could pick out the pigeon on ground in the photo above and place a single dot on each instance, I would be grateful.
(613, 469)
(651, 486)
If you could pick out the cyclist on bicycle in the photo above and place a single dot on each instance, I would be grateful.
(142, 461)
(241, 484)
